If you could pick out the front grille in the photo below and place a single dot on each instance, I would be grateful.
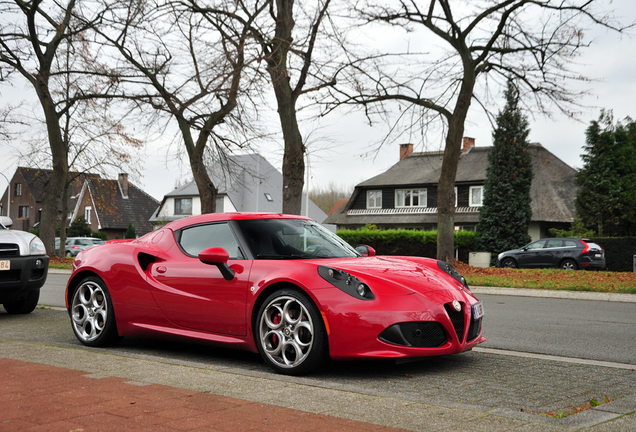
(9, 250)
(474, 330)
(10, 275)
(457, 318)
(419, 334)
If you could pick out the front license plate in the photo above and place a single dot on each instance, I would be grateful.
(478, 310)
(5, 265)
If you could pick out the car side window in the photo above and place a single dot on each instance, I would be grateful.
(569, 243)
(536, 245)
(554, 244)
(193, 240)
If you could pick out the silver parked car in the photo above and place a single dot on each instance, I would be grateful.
(23, 268)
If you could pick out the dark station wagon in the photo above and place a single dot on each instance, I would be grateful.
(565, 253)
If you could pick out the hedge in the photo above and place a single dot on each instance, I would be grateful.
(619, 252)
(408, 242)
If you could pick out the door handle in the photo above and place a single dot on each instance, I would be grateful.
(161, 269)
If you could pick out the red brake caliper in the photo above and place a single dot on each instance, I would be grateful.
(276, 320)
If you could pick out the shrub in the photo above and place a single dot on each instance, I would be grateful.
(619, 252)
(408, 242)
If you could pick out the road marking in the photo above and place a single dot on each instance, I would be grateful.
(556, 358)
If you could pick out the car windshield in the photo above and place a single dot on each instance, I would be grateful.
(293, 238)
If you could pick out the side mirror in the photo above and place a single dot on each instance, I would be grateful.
(365, 250)
(6, 221)
(218, 257)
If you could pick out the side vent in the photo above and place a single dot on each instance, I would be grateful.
(145, 260)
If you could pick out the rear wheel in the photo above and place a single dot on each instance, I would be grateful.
(290, 334)
(569, 264)
(24, 305)
(509, 263)
(92, 315)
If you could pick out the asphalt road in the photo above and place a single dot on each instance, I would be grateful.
(594, 330)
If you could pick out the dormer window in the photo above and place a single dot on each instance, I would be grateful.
(374, 199)
(183, 206)
(410, 198)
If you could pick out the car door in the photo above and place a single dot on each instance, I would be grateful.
(195, 295)
(530, 256)
(551, 253)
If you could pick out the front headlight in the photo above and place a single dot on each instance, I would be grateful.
(449, 269)
(500, 255)
(346, 282)
(36, 247)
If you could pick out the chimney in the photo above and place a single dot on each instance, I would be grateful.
(467, 144)
(123, 184)
(405, 150)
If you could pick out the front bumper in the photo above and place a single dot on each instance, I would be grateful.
(395, 327)
(25, 274)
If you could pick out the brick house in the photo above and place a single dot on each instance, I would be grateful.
(106, 205)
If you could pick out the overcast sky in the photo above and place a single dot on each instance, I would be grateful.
(351, 156)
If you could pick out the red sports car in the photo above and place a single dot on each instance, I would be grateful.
(278, 284)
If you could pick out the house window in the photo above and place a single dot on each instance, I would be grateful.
(87, 214)
(410, 198)
(374, 199)
(23, 212)
(183, 206)
(476, 196)
(70, 215)
(455, 196)
(18, 189)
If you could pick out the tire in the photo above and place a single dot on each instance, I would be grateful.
(290, 334)
(92, 314)
(509, 263)
(569, 264)
(24, 305)
(69, 254)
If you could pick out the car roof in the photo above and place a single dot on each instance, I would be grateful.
(218, 217)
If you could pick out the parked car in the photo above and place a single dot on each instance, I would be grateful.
(280, 285)
(76, 244)
(23, 268)
(566, 253)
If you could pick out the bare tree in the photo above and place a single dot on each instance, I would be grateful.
(531, 41)
(294, 69)
(176, 59)
(31, 34)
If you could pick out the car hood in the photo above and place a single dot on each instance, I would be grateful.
(21, 238)
(397, 275)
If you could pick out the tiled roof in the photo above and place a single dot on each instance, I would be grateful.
(116, 212)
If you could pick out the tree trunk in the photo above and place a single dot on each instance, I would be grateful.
(61, 252)
(54, 187)
(207, 190)
(293, 159)
(452, 152)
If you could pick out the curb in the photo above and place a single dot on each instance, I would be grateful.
(560, 294)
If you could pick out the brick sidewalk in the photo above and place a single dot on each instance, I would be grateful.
(36, 397)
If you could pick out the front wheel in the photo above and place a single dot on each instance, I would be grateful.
(92, 315)
(509, 263)
(569, 265)
(290, 334)
(24, 305)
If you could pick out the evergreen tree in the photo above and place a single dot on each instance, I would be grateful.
(79, 228)
(606, 200)
(505, 215)
(130, 232)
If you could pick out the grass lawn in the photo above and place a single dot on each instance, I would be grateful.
(555, 279)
